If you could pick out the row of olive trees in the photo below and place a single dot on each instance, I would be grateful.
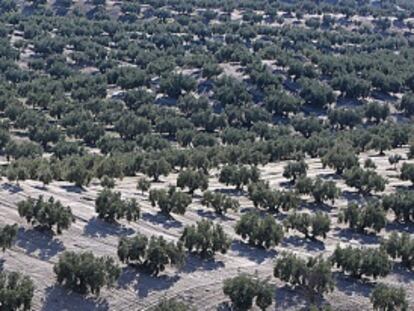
(80, 169)
(314, 276)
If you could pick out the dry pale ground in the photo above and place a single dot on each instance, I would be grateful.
(199, 282)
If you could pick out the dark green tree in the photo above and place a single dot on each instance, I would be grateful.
(313, 274)
(401, 203)
(293, 170)
(407, 172)
(400, 246)
(170, 201)
(243, 289)
(143, 184)
(16, 291)
(193, 180)
(340, 157)
(111, 207)
(46, 213)
(171, 305)
(365, 181)
(359, 218)
(154, 254)
(261, 232)
(311, 226)
(388, 298)
(239, 175)
(156, 168)
(362, 261)
(84, 273)
(8, 234)
(220, 202)
(205, 238)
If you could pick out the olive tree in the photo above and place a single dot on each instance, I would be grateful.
(153, 254)
(371, 215)
(407, 104)
(192, 180)
(243, 290)
(84, 273)
(407, 172)
(401, 203)
(311, 226)
(272, 200)
(394, 159)
(16, 291)
(365, 181)
(362, 261)
(170, 305)
(144, 184)
(205, 238)
(293, 170)
(220, 202)
(320, 190)
(107, 182)
(46, 213)
(8, 234)
(111, 207)
(170, 201)
(156, 168)
(313, 274)
(386, 297)
(261, 232)
(400, 246)
(340, 157)
(239, 175)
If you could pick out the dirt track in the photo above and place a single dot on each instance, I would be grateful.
(199, 282)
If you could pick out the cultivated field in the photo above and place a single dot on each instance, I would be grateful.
(281, 109)
(199, 282)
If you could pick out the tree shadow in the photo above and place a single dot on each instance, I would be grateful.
(403, 187)
(249, 209)
(403, 273)
(2, 261)
(100, 228)
(43, 243)
(287, 297)
(346, 102)
(401, 227)
(196, 263)
(232, 192)
(59, 298)
(289, 185)
(252, 253)
(396, 175)
(351, 286)
(166, 101)
(352, 196)
(330, 176)
(12, 188)
(348, 234)
(314, 206)
(144, 283)
(161, 219)
(205, 87)
(40, 187)
(384, 96)
(212, 215)
(73, 188)
(60, 8)
(309, 245)
(224, 306)
(28, 10)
